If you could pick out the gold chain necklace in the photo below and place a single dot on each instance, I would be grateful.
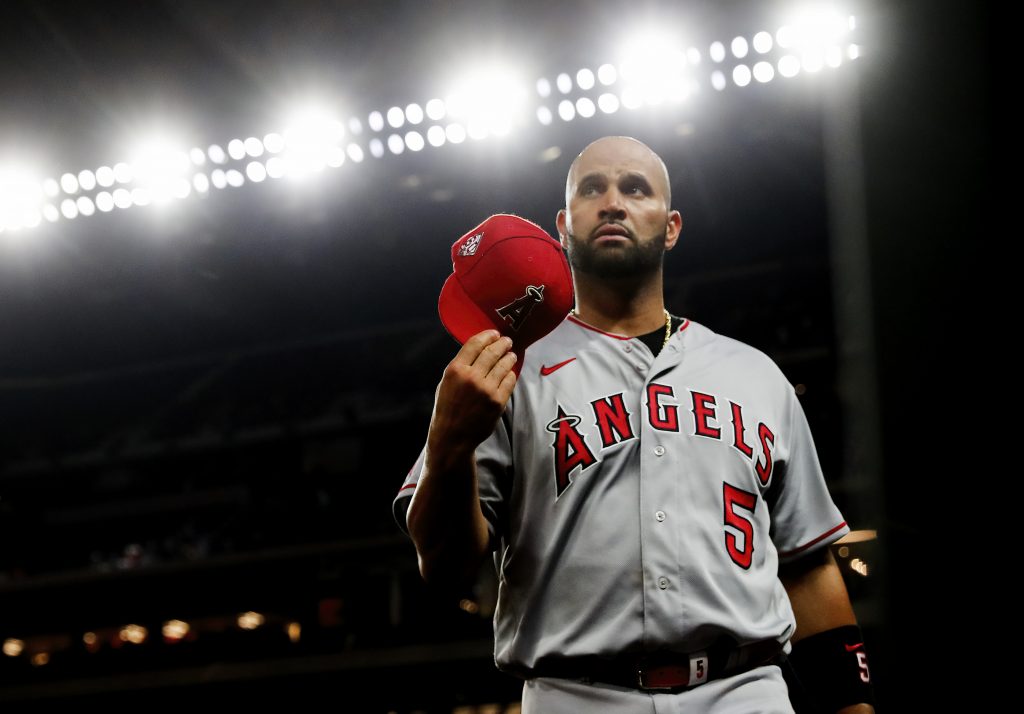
(668, 325)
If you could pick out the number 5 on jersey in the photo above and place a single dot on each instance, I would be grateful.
(737, 498)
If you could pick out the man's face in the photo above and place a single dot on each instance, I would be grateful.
(617, 222)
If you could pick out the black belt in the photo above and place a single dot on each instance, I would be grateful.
(664, 671)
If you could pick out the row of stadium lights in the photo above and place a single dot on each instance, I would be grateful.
(314, 143)
(172, 631)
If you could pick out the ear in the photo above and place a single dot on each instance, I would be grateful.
(675, 226)
(563, 231)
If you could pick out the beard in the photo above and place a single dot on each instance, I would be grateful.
(631, 259)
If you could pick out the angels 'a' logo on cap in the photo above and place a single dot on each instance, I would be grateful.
(471, 244)
(516, 312)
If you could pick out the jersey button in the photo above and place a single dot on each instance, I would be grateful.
(627, 347)
(659, 450)
(660, 515)
(663, 583)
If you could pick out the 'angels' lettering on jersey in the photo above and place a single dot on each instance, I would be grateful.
(612, 419)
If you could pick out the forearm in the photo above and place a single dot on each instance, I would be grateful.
(817, 594)
(444, 518)
(834, 670)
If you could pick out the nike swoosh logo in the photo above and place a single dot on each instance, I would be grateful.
(545, 371)
(851, 648)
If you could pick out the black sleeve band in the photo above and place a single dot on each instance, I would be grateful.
(832, 666)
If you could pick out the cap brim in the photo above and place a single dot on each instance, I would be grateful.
(463, 318)
(459, 314)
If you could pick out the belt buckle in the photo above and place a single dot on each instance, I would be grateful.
(670, 677)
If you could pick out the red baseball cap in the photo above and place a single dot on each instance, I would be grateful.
(509, 275)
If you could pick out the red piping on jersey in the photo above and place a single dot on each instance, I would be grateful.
(686, 323)
(805, 546)
(410, 485)
(609, 334)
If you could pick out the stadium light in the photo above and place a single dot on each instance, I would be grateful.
(435, 135)
(764, 72)
(396, 117)
(21, 198)
(105, 201)
(175, 630)
(250, 620)
(253, 147)
(87, 180)
(310, 135)
(585, 79)
(816, 35)
(414, 140)
(273, 143)
(815, 26)
(741, 75)
(414, 113)
(136, 634)
(275, 168)
(654, 69)
(490, 101)
(122, 198)
(158, 166)
(608, 102)
(256, 171)
(455, 133)
(763, 42)
(436, 109)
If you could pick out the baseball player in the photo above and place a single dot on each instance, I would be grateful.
(649, 489)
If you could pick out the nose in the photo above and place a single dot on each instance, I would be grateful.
(612, 207)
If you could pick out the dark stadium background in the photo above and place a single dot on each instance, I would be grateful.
(208, 410)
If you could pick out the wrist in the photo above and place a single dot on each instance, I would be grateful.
(832, 669)
(445, 455)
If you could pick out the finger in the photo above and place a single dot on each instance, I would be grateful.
(475, 345)
(508, 383)
(491, 354)
(502, 367)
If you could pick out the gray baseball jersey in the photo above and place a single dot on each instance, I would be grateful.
(638, 504)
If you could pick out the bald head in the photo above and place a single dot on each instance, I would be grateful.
(614, 150)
